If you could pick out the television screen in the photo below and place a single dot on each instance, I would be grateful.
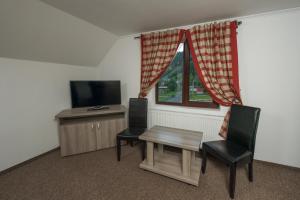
(95, 93)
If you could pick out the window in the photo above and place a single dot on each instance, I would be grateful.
(180, 84)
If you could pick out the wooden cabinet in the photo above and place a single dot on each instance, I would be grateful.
(77, 138)
(89, 132)
(107, 132)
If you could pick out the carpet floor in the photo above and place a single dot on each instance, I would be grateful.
(98, 176)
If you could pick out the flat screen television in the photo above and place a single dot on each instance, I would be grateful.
(95, 93)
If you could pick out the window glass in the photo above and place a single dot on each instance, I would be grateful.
(197, 92)
(180, 84)
(170, 84)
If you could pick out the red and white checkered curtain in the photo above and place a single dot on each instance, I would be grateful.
(158, 50)
(214, 52)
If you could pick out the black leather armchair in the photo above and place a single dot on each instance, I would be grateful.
(240, 143)
(137, 124)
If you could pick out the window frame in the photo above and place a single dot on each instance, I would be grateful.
(185, 86)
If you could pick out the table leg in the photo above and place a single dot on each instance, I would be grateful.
(150, 153)
(186, 162)
(193, 155)
(160, 148)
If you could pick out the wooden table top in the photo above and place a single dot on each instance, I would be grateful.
(83, 112)
(180, 138)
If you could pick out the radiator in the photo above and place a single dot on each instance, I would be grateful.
(208, 124)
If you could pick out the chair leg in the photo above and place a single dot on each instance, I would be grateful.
(250, 171)
(118, 148)
(131, 143)
(203, 166)
(232, 180)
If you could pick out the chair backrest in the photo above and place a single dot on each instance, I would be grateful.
(137, 116)
(242, 126)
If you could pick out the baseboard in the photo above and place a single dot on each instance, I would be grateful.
(276, 164)
(170, 148)
(27, 161)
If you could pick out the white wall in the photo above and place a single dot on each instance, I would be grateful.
(269, 47)
(31, 94)
(122, 62)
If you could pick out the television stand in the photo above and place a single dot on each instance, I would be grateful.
(98, 108)
(83, 131)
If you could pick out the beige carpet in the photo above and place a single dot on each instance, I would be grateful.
(98, 175)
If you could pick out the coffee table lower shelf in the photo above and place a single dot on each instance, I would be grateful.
(170, 164)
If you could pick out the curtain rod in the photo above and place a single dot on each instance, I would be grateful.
(238, 23)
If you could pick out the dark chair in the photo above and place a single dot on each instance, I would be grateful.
(240, 143)
(137, 124)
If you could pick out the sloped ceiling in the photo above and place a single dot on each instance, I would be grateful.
(123, 17)
(33, 30)
(80, 32)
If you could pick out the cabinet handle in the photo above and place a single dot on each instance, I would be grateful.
(92, 126)
(98, 125)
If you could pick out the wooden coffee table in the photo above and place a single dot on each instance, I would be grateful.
(183, 167)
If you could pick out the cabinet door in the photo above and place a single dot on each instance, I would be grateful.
(77, 138)
(107, 132)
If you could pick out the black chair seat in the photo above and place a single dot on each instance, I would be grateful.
(229, 151)
(131, 133)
